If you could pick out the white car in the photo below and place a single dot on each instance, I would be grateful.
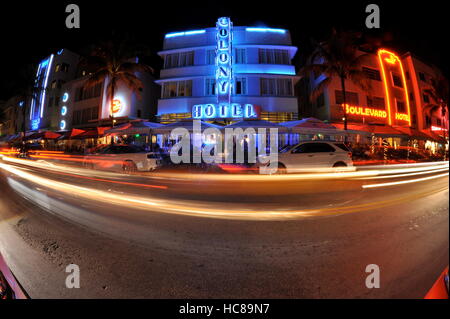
(312, 155)
(126, 158)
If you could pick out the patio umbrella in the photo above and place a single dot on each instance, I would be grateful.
(47, 135)
(134, 127)
(183, 124)
(244, 124)
(311, 125)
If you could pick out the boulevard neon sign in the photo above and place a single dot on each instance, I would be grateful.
(365, 111)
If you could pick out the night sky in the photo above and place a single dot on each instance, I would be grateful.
(33, 30)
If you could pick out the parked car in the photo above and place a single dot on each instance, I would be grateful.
(9, 287)
(313, 154)
(126, 158)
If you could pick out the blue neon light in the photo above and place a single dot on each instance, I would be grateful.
(179, 34)
(62, 124)
(233, 110)
(21, 103)
(64, 110)
(65, 97)
(265, 30)
(35, 124)
(60, 51)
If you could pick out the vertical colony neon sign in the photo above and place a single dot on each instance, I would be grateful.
(224, 64)
(224, 80)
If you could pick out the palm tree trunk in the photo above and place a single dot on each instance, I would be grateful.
(344, 100)
(111, 107)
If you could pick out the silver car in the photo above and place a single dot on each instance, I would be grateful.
(312, 155)
(126, 158)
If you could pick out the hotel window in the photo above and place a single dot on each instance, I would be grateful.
(83, 93)
(53, 85)
(426, 98)
(184, 88)
(397, 81)
(372, 74)
(176, 89)
(320, 101)
(240, 87)
(351, 97)
(284, 87)
(273, 56)
(210, 56)
(180, 59)
(427, 121)
(57, 68)
(422, 77)
(276, 87)
(64, 67)
(375, 102)
(210, 86)
(240, 56)
(401, 108)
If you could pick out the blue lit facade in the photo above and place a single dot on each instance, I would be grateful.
(227, 73)
(52, 73)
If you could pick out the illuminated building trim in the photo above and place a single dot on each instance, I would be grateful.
(62, 124)
(45, 85)
(63, 110)
(265, 30)
(392, 58)
(65, 97)
(179, 34)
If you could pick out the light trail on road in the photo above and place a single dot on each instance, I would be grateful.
(206, 208)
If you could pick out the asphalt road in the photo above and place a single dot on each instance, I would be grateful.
(222, 236)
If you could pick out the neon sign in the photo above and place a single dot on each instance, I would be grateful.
(437, 128)
(35, 124)
(234, 110)
(392, 59)
(116, 106)
(365, 111)
(402, 117)
(224, 63)
(62, 124)
(65, 97)
(63, 110)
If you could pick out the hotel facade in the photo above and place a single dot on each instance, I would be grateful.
(398, 97)
(228, 73)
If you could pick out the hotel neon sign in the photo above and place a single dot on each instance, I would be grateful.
(393, 59)
(224, 80)
(365, 111)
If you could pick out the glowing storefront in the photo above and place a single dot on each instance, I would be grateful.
(228, 73)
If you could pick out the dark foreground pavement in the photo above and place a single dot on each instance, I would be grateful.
(126, 252)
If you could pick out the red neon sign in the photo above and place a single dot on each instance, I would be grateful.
(116, 106)
(392, 59)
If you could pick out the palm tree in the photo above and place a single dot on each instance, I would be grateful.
(114, 64)
(338, 56)
(439, 92)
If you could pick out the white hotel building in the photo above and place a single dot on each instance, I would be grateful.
(228, 73)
